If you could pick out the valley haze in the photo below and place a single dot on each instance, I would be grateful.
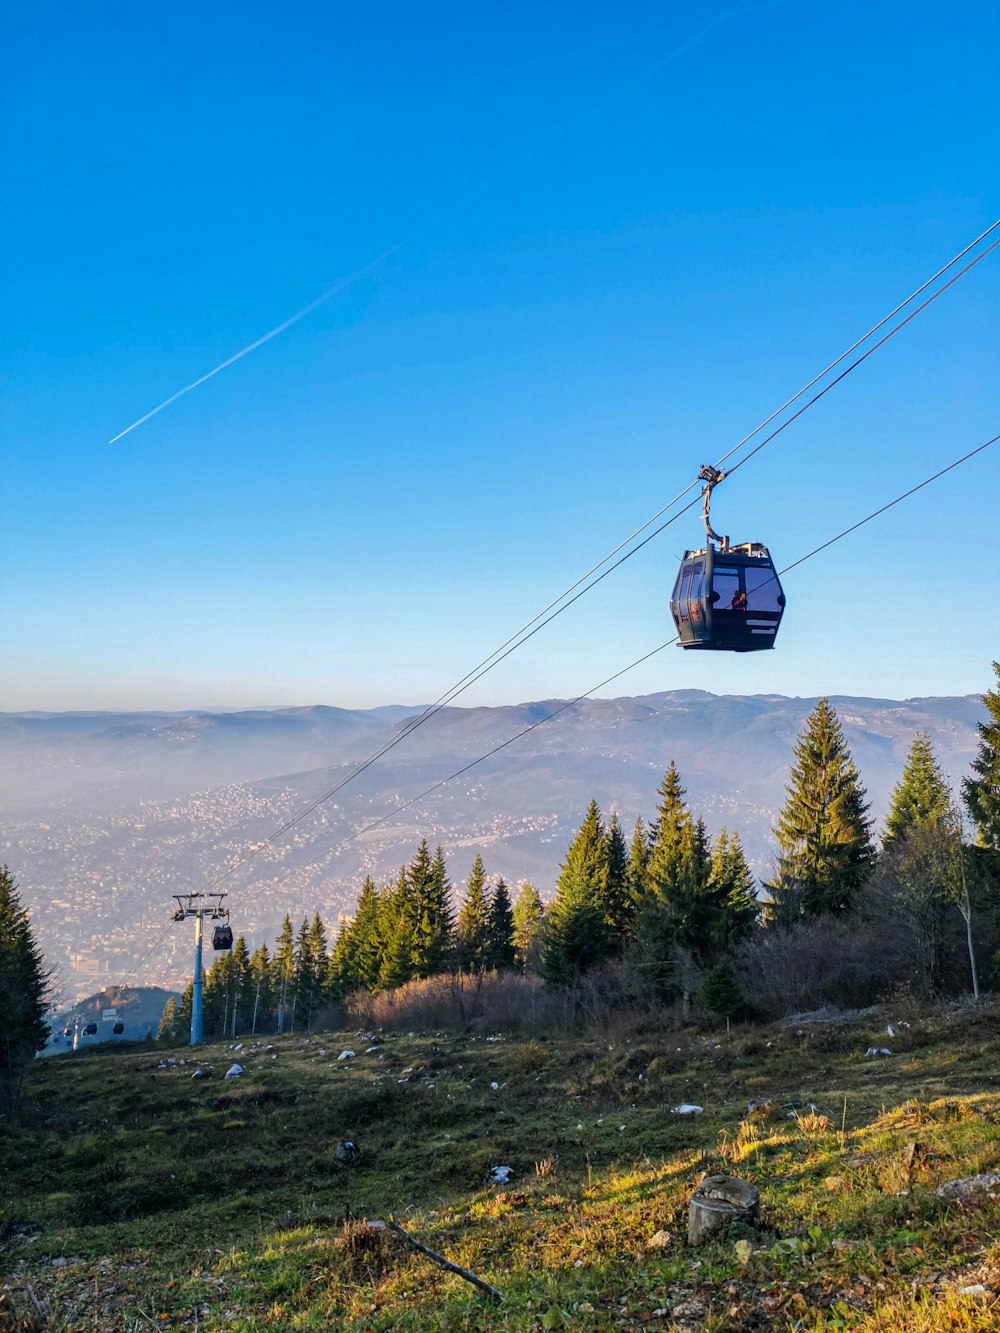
(106, 815)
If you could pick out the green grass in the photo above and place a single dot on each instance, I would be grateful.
(174, 1203)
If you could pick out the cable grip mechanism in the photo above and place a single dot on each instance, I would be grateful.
(711, 476)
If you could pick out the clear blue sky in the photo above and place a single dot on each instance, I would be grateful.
(626, 232)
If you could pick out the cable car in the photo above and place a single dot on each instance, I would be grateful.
(90, 1030)
(118, 1028)
(726, 599)
(222, 937)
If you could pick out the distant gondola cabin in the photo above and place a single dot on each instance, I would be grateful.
(727, 599)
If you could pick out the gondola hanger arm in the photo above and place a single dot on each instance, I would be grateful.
(711, 476)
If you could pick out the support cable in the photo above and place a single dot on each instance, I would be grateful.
(565, 600)
(556, 712)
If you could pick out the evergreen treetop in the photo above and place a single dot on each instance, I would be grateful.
(982, 791)
(823, 831)
(500, 946)
(922, 793)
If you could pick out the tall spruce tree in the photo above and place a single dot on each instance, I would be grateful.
(618, 901)
(733, 885)
(167, 1031)
(982, 791)
(239, 1017)
(283, 976)
(823, 831)
(428, 908)
(691, 898)
(260, 998)
(500, 927)
(529, 928)
(472, 929)
(921, 794)
(577, 937)
(24, 994)
(638, 866)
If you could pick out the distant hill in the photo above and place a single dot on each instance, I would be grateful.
(105, 816)
(138, 1008)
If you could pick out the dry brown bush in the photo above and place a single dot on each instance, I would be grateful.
(840, 961)
(602, 1000)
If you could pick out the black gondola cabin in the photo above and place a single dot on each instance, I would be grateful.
(222, 937)
(727, 599)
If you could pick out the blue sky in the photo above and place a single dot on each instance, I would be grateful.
(620, 236)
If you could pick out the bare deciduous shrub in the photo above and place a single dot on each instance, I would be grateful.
(827, 960)
(604, 1000)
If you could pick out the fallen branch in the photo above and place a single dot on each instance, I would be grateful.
(446, 1264)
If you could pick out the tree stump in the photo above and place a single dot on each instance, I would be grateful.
(718, 1201)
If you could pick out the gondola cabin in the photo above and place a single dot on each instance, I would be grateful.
(222, 937)
(727, 599)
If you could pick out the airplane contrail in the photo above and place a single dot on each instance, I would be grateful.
(264, 338)
(539, 147)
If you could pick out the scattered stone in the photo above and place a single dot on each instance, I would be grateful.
(971, 1188)
(877, 1050)
(834, 1184)
(60, 1262)
(234, 1071)
(501, 1175)
(494, 1087)
(759, 1108)
(200, 1073)
(718, 1201)
(347, 1153)
(744, 1252)
(660, 1240)
(347, 1055)
(890, 1031)
(688, 1108)
(977, 1289)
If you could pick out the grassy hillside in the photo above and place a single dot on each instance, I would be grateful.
(136, 1196)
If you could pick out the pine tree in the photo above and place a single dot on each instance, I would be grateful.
(676, 915)
(261, 995)
(733, 885)
(397, 961)
(982, 792)
(428, 908)
(283, 976)
(472, 929)
(823, 831)
(921, 794)
(240, 983)
(618, 901)
(671, 846)
(721, 991)
(500, 928)
(310, 957)
(638, 865)
(24, 994)
(529, 928)
(167, 1031)
(577, 937)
